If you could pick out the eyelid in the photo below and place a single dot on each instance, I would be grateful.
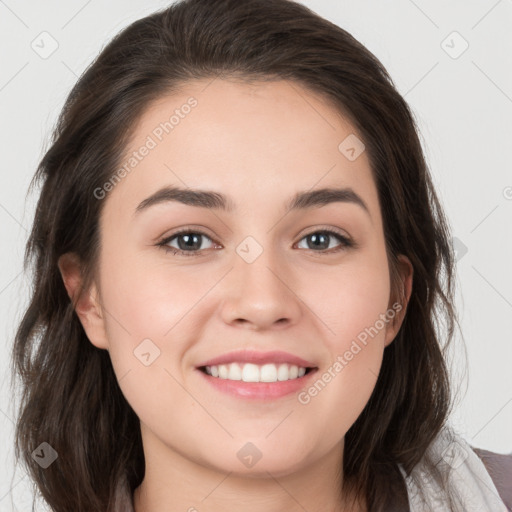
(328, 229)
(190, 228)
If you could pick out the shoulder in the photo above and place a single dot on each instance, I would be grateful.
(499, 467)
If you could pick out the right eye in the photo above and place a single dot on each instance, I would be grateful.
(191, 242)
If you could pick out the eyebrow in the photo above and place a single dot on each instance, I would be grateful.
(217, 201)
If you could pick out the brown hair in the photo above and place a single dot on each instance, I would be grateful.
(70, 396)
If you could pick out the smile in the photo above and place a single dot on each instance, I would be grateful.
(249, 372)
(286, 380)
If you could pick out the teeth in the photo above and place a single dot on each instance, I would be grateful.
(235, 373)
(222, 371)
(268, 373)
(249, 372)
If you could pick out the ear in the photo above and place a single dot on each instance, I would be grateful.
(399, 304)
(85, 302)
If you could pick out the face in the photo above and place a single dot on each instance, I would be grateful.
(311, 281)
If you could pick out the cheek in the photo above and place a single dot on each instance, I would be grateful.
(149, 322)
(349, 300)
(351, 313)
(149, 300)
(155, 313)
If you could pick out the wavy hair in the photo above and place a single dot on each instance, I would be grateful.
(70, 396)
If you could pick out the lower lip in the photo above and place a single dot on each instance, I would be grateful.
(259, 390)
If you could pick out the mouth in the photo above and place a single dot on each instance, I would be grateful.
(258, 384)
(254, 373)
(258, 375)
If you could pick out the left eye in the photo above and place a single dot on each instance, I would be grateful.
(318, 238)
(189, 242)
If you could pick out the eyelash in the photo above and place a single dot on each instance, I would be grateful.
(346, 243)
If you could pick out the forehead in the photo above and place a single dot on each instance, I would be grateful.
(258, 141)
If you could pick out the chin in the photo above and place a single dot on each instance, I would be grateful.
(253, 462)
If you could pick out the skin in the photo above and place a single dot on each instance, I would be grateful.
(259, 144)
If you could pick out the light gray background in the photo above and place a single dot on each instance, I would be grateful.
(464, 109)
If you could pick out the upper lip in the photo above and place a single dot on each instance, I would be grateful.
(258, 357)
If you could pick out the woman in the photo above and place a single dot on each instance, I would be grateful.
(238, 254)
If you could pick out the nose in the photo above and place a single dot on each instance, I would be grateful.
(261, 295)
